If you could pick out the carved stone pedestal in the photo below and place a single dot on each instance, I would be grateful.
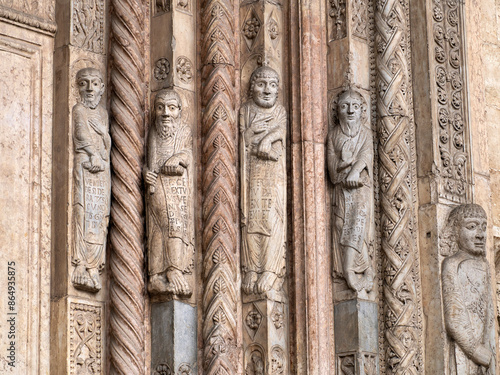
(173, 338)
(265, 336)
(356, 337)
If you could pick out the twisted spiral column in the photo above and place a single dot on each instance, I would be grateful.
(401, 287)
(219, 183)
(127, 331)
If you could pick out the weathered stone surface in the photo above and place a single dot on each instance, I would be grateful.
(25, 198)
(168, 178)
(173, 338)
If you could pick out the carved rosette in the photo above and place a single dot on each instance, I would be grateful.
(451, 97)
(128, 97)
(219, 184)
(401, 285)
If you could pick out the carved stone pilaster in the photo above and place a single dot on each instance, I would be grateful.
(449, 89)
(402, 327)
(128, 105)
(221, 328)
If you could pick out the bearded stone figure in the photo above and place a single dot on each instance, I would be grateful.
(467, 298)
(263, 183)
(168, 177)
(350, 167)
(92, 181)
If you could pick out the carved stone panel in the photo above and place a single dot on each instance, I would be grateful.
(467, 294)
(263, 186)
(85, 339)
(337, 19)
(350, 167)
(92, 181)
(44, 9)
(88, 25)
(169, 180)
(451, 94)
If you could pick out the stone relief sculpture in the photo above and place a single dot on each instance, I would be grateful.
(350, 166)
(168, 179)
(263, 187)
(467, 299)
(92, 181)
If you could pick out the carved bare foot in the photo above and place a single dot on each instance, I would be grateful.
(249, 282)
(368, 280)
(94, 275)
(81, 278)
(157, 284)
(353, 282)
(266, 282)
(177, 284)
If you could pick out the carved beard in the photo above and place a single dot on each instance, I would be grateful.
(352, 129)
(91, 103)
(264, 104)
(166, 130)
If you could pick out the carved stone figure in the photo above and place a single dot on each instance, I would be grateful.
(92, 181)
(263, 176)
(467, 299)
(350, 166)
(168, 177)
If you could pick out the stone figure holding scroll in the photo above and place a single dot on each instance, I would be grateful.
(467, 299)
(92, 181)
(169, 219)
(350, 167)
(263, 184)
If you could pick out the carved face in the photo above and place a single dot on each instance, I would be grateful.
(167, 111)
(265, 91)
(91, 88)
(472, 235)
(349, 112)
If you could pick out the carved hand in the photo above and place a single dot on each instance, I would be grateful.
(173, 167)
(482, 356)
(265, 151)
(95, 165)
(150, 178)
(353, 179)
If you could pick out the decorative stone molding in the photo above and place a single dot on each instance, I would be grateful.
(128, 98)
(15, 16)
(401, 285)
(42, 9)
(220, 333)
(451, 93)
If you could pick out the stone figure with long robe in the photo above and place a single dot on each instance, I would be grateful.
(467, 295)
(350, 167)
(263, 185)
(92, 181)
(169, 181)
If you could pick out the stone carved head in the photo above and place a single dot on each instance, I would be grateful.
(90, 86)
(264, 86)
(167, 110)
(465, 231)
(349, 109)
